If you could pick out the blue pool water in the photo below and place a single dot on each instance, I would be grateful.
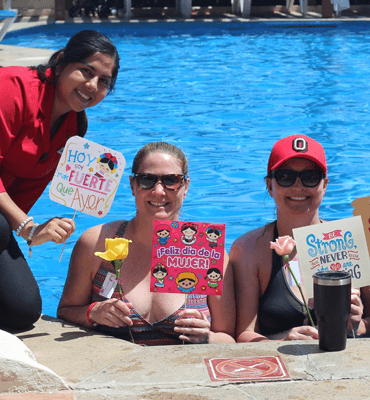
(224, 93)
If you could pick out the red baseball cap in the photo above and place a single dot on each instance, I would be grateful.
(297, 146)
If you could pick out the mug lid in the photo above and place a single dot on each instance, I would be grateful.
(332, 278)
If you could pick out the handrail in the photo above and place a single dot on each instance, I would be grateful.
(9, 17)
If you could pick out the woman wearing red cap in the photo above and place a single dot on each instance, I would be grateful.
(269, 304)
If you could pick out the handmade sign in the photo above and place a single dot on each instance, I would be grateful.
(87, 177)
(362, 208)
(336, 245)
(187, 257)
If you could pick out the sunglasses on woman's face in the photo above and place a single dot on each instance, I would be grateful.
(287, 177)
(170, 182)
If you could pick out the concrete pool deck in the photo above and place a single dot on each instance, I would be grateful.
(78, 364)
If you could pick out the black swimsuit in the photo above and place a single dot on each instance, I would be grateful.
(279, 310)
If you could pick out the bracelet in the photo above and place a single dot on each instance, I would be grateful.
(88, 312)
(29, 240)
(353, 332)
(23, 224)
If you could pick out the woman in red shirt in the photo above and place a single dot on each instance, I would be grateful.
(40, 108)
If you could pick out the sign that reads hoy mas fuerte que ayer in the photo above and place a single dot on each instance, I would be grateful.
(87, 177)
(333, 246)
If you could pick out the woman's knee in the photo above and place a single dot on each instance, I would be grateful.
(21, 316)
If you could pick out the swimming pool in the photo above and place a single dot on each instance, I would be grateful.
(224, 93)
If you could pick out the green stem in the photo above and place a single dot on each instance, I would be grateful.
(286, 262)
(117, 266)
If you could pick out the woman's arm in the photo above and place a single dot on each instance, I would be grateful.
(357, 310)
(364, 324)
(19, 102)
(247, 254)
(77, 291)
(243, 258)
(76, 297)
(222, 309)
(194, 326)
(56, 229)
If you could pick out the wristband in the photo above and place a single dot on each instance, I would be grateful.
(23, 224)
(88, 312)
(29, 240)
(352, 333)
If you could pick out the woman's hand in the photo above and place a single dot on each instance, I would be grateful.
(193, 326)
(357, 309)
(302, 333)
(113, 312)
(56, 230)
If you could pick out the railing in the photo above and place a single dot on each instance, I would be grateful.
(9, 17)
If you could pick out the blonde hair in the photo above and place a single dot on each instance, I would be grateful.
(160, 147)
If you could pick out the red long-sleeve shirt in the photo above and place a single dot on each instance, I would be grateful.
(25, 111)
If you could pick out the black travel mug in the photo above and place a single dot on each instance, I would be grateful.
(332, 295)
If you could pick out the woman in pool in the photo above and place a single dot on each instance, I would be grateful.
(269, 304)
(159, 184)
(40, 108)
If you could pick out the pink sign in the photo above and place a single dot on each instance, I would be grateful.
(187, 257)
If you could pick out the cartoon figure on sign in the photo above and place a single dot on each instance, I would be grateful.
(212, 234)
(107, 163)
(159, 273)
(213, 277)
(186, 281)
(164, 233)
(189, 231)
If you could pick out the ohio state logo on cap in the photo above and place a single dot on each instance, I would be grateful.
(300, 145)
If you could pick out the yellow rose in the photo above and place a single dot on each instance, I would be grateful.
(116, 249)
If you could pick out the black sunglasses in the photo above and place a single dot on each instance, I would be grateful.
(170, 182)
(287, 177)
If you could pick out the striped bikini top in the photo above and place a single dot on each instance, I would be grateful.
(142, 331)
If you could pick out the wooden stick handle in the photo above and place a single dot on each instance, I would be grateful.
(61, 255)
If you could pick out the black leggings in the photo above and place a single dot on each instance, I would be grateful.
(20, 300)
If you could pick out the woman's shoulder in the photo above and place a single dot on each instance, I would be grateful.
(22, 91)
(250, 250)
(18, 74)
(14, 71)
(255, 239)
(96, 235)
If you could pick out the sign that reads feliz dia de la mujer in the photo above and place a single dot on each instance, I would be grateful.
(187, 257)
(87, 177)
(333, 246)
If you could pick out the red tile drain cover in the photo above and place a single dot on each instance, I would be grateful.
(246, 369)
